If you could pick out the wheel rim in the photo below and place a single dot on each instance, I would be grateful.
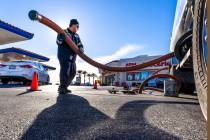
(204, 46)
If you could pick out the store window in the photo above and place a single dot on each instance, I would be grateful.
(130, 76)
(144, 75)
(139, 76)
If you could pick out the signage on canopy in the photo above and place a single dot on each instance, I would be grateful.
(156, 66)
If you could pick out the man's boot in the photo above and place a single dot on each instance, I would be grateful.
(68, 90)
(62, 90)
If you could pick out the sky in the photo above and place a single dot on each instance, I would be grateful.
(109, 29)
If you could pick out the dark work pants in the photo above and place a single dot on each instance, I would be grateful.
(67, 71)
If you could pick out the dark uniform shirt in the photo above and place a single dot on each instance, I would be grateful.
(64, 50)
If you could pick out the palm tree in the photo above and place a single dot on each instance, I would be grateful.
(84, 72)
(89, 75)
(79, 72)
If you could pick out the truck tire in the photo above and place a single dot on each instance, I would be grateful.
(200, 53)
(183, 45)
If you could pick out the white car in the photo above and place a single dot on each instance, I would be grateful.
(22, 71)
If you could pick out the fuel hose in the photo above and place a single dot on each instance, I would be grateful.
(35, 16)
(159, 76)
(141, 87)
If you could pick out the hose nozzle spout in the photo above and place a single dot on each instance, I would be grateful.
(34, 15)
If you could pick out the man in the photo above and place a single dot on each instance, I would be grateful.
(67, 57)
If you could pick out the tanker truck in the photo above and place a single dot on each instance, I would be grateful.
(189, 43)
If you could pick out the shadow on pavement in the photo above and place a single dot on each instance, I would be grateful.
(26, 92)
(70, 114)
(72, 117)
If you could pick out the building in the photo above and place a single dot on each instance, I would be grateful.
(132, 77)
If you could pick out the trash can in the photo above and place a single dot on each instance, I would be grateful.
(171, 88)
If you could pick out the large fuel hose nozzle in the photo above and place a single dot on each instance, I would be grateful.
(35, 16)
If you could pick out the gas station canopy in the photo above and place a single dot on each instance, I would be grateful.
(11, 54)
(11, 34)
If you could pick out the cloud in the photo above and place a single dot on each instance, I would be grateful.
(124, 52)
(121, 53)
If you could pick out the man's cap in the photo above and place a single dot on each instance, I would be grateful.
(73, 21)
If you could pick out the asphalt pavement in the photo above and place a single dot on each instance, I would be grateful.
(96, 114)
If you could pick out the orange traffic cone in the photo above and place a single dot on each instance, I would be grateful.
(34, 83)
(95, 85)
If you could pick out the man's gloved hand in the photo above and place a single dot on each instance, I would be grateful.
(60, 38)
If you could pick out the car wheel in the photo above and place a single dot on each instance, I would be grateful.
(5, 81)
(25, 82)
(200, 52)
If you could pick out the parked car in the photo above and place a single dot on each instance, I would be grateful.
(189, 43)
(22, 71)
